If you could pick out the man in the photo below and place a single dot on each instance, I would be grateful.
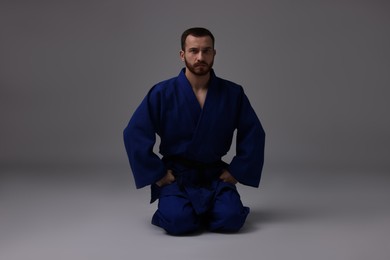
(195, 115)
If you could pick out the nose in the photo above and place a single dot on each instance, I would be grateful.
(200, 56)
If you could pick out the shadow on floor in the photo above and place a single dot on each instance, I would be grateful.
(258, 218)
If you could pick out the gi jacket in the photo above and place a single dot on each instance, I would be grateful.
(171, 110)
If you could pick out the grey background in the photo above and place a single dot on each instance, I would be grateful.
(73, 72)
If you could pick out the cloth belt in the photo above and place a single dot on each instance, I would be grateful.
(194, 178)
(194, 173)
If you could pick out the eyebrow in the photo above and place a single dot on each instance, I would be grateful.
(196, 48)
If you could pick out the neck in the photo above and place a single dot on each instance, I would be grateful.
(197, 82)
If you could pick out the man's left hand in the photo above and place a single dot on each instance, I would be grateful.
(227, 177)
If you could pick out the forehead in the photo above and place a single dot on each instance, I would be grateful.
(199, 42)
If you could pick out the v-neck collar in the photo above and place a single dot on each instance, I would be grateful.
(190, 94)
(201, 118)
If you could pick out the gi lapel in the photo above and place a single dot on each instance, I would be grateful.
(208, 116)
(191, 103)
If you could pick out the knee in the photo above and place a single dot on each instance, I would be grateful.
(181, 224)
(229, 219)
(176, 222)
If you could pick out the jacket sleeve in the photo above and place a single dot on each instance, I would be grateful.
(246, 166)
(139, 139)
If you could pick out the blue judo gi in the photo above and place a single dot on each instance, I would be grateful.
(192, 142)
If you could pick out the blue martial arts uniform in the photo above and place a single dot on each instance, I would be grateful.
(193, 141)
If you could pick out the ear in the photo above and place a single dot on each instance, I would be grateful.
(215, 52)
(181, 55)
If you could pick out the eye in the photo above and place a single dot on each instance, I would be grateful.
(193, 50)
(206, 51)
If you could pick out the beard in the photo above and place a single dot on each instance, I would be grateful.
(200, 68)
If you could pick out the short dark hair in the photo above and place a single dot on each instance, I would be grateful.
(197, 32)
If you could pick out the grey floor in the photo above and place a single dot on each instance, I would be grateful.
(80, 213)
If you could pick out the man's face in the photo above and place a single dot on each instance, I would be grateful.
(198, 54)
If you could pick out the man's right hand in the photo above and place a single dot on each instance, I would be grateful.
(167, 179)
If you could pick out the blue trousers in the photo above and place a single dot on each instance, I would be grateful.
(185, 209)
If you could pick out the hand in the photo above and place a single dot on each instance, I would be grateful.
(167, 179)
(227, 177)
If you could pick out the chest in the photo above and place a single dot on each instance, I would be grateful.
(201, 96)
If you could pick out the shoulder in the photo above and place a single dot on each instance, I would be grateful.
(163, 88)
(230, 86)
(164, 85)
